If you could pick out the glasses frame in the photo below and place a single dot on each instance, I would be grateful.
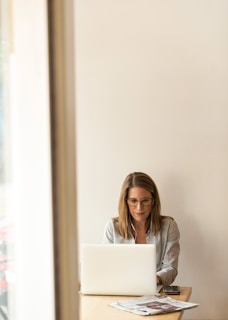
(141, 201)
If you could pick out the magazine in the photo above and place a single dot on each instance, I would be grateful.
(148, 305)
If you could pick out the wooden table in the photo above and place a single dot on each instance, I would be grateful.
(97, 308)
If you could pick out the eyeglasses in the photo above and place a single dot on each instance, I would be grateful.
(132, 202)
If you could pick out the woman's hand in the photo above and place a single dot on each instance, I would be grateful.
(159, 280)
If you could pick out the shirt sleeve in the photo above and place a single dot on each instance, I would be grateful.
(109, 232)
(169, 265)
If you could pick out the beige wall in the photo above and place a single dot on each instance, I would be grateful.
(152, 79)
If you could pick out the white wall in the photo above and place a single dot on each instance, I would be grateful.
(152, 79)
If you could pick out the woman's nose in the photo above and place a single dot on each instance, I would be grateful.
(139, 204)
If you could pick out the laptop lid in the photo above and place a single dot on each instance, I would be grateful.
(118, 269)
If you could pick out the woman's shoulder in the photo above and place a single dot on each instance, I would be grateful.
(112, 222)
(111, 234)
(168, 220)
(169, 225)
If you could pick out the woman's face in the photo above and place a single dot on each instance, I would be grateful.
(139, 203)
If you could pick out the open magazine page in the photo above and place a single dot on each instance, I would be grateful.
(147, 305)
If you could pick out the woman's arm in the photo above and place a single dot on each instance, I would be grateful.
(169, 265)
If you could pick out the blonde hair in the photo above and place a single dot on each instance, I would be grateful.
(124, 224)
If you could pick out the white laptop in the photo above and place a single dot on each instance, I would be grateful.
(118, 269)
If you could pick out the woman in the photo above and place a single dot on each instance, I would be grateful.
(140, 221)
